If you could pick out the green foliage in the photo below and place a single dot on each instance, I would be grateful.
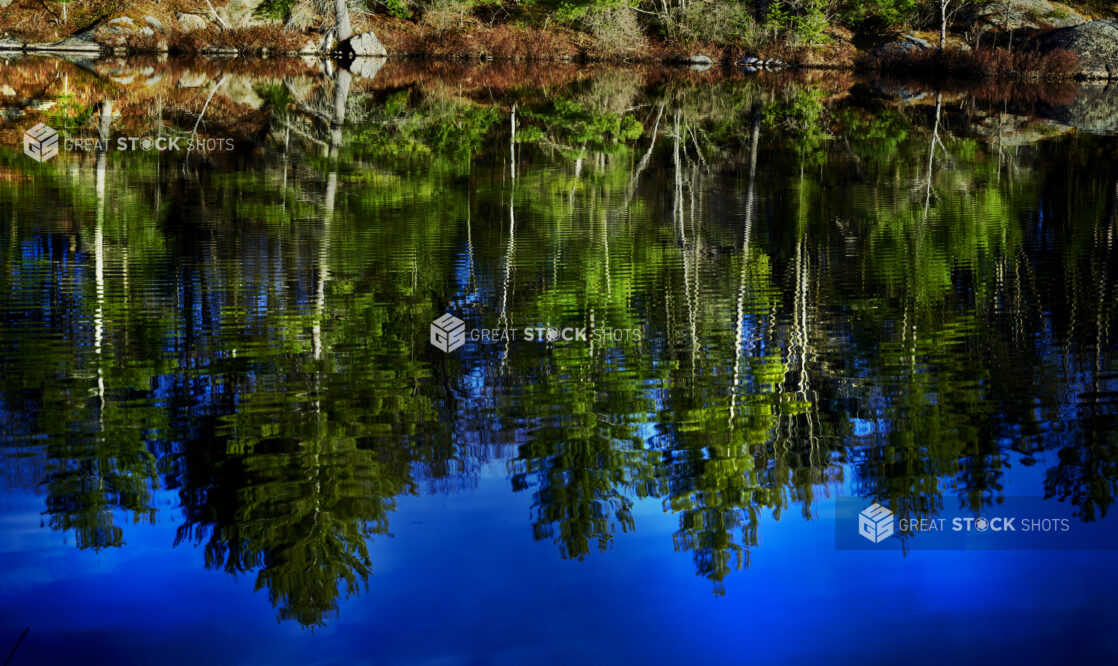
(69, 114)
(577, 125)
(397, 8)
(802, 115)
(857, 12)
(443, 130)
(278, 10)
(569, 13)
(266, 357)
(800, 21)
(277, 97)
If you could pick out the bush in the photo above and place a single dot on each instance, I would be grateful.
(980, 63)
(615, 29)
(721, 21)
(279, 10)
(801, 22)
(884, 12)
(244, 40)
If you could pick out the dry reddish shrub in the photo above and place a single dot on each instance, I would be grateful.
(505, 42)
(274, 38)
(980, 63)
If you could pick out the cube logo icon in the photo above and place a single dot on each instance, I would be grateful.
(875, 523)
(448, 333)
(40, 143)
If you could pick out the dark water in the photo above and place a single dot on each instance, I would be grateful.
(227, 436)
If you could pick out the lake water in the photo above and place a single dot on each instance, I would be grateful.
(691, 312)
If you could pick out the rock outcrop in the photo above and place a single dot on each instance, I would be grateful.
(82, 42)
(364, 45)
(243, 14)
(901, 45)
(1027, 15)
(366, 68)
(1095, 44)
(1094, 110)
(190, 22)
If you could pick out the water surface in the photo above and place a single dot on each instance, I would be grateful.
(227, 437)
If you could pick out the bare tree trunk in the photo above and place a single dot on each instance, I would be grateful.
(324, 262)
(943, 4)
(512, 143)
(103, 136)
(217, 17)
(739, 339)
(341, 20)
(931, 157)
(341, 98)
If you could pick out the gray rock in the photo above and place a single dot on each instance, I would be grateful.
(1008, 129)
(191, 22)
(366, 44)
(303, 15)
(1095, 43)
(897, 91)
(366, 68)
(154, 23)
(82, 42)
(1001, 15)
(242, 14)
(9, 44)
(1094, 110)
(901, 45)
(699, 59)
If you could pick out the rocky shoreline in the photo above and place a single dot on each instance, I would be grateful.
(234, 30)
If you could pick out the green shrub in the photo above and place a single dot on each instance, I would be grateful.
(798, 21)
(891, 12)
(278, 10)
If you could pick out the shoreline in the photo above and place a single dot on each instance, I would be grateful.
(726, 61)
(902, 54)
